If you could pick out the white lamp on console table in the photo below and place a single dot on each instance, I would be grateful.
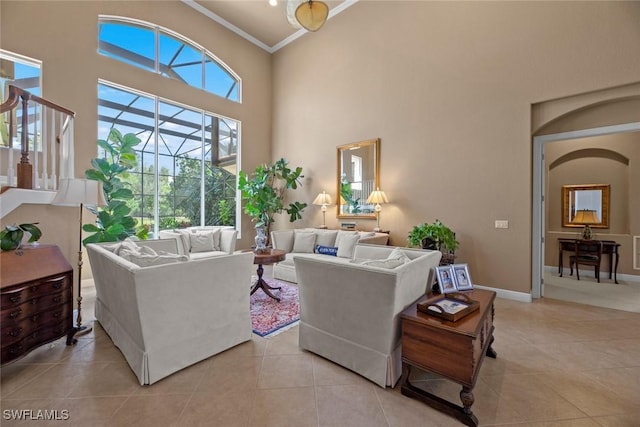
(377, 197)
(323, 199)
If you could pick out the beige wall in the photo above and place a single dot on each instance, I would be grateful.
(449, 88)
(64, 36)
(612, 159)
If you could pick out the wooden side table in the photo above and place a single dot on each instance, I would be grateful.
(266, 258)
(453, 350)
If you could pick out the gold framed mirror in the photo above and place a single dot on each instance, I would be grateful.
(585, 204)
(358, 175)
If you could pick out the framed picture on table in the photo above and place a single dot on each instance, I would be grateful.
(461, 277)
(446, 282)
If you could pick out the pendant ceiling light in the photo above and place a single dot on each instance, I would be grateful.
(308, 14)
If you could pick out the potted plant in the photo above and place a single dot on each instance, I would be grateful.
(114, 222)
(11, 236)
(264, 193)
(434, 236)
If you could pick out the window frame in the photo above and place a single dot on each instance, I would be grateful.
(157, 30)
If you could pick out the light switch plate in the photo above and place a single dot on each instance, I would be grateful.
(502, 223)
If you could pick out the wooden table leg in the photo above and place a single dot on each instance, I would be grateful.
(261, 284)
(462, 414)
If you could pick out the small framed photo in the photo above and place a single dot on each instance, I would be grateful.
(446, 283)
(462, 277)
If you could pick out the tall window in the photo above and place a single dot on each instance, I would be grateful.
(23, 72)
(186, 173)
(162, 51)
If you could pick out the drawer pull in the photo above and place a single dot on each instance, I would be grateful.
(57, 314)
(57, 285)
(57, 298)
(35, 317)
(15, 332)
(15, 349)
(14, 299)
(34, 301)
(15, 314)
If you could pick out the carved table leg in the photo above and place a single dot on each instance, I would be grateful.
(264, 285)
(466, 396)
(490, 351)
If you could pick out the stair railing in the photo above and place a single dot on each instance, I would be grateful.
(44, 129)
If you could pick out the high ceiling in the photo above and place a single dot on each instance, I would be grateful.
(257, 21)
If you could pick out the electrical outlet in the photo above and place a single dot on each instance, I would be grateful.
(502, 223)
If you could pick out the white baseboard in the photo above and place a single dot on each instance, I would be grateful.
(506, 294)
(604, 275)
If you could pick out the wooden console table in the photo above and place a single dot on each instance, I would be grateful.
(609, 247)
(453, 350)
(36, 300)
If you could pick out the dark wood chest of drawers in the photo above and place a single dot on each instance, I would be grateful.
(36, 303)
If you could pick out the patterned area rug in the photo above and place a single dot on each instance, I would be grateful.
(270, 317)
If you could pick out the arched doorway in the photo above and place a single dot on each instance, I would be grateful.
(611, 112)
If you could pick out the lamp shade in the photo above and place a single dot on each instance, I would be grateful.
(322, 199)
(312, 14)
(377, 197)
(586, 216)
(75, 191)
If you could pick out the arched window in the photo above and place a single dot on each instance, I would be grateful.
(162, 51)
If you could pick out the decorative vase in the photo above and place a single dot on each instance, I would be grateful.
(261, 240)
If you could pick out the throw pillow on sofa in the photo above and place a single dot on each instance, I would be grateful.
(326, 250)
(346, 242)
(217, 235)
(144, 256)
(398, 253)
(303, 242)
(384, 263)
(203, 241)
(326, 238)
(184, 238)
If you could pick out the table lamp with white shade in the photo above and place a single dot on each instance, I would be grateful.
(377, 197)
(323, 199)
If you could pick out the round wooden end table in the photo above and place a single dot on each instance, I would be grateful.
(271, 256)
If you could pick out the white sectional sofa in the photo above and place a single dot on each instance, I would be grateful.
(203, 242)
(165, 317)
(336, 244)
(350, 311)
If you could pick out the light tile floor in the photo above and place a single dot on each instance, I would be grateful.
(559, 364)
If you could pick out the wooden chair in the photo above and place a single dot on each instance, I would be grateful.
(587, 252)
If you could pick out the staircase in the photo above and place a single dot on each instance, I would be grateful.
(38, 135)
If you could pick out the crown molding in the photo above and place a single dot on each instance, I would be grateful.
(271, 49)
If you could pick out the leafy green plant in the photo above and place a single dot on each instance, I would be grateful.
(264, 192)
(113, 221)
(347, 194)
(11, 236)
(433, 236)
(225, 212)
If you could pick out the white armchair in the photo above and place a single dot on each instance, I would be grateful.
(349, 312)
(164, 318)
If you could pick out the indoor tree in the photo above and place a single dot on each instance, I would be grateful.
(264, 193)
(114, 221)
